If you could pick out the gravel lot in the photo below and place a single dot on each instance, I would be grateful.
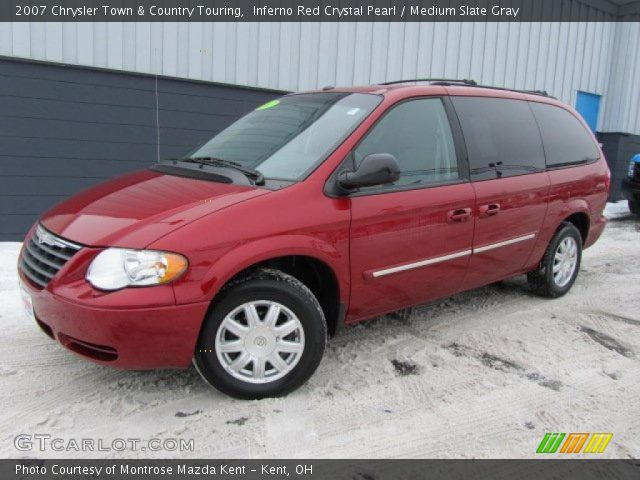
(483, 374)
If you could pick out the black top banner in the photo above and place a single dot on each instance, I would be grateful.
(318, 11)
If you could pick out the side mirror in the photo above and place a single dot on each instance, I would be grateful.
(375, 169)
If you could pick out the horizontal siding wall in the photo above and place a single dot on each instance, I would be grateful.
(561, 58)
(622, 108)
(63, 129)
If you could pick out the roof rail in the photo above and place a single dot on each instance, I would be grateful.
(443, 81)
(542, 93)
(466, 83)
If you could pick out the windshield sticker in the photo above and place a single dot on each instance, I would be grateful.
(270, 104)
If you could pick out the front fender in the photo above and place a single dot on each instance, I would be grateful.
(212, 278)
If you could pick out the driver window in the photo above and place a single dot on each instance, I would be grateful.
(418, 135)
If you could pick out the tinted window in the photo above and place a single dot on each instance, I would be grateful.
(417, 133)
(501, 135)
(285, 138)
(565, 139)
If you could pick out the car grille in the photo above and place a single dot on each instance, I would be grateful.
(43, 255)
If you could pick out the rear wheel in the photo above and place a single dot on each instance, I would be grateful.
(634, 206)
(264, 336)
(560, 265)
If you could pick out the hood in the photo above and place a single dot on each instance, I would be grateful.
(135, 210)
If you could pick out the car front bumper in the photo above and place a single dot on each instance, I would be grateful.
(132, 338)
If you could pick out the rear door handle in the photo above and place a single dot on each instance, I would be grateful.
(489, 210)
(458, 215)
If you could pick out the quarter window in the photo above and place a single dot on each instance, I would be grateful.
(566, 140)
(501, 135)
(418, 135)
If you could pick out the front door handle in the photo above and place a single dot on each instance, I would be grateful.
(458, 215)
(489, 210)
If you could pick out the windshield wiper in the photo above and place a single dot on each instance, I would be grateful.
(255, 175)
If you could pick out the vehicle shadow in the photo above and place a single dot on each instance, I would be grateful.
(626, 220)
(505, 291)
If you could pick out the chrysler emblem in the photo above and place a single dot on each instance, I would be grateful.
(42, 236)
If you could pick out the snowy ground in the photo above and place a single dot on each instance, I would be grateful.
(487, 373)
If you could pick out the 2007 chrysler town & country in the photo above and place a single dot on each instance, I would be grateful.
(313, 211)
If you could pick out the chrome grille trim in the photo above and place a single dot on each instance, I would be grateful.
(49, 273)
(41, 257)
(54, 252)
(44, 254)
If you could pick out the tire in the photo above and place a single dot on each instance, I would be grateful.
(544, 281)
(238, 361)
(634, 206)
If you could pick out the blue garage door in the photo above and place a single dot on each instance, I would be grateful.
(588, 105)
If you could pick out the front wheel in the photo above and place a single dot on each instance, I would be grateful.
(264, 336)
(560, 265)
(634, 206)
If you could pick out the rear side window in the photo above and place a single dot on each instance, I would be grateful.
(418, 135)
(566, 141)
(501, 135)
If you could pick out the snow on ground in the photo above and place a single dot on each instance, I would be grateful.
(486, 373)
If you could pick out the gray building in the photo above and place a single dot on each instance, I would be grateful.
(82, 102)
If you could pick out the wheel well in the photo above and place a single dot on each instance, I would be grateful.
(581, 221)
(315, 274)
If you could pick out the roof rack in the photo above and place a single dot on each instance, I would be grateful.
(542, 93)
(467, 83)
(447, 81)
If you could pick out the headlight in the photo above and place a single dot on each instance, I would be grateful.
(632, 165)
(116, 268)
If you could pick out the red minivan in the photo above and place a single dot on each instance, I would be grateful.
(314, 211)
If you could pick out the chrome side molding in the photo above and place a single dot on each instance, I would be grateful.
(451, 256)
(421, 263)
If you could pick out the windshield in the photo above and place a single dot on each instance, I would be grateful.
(286, 138)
